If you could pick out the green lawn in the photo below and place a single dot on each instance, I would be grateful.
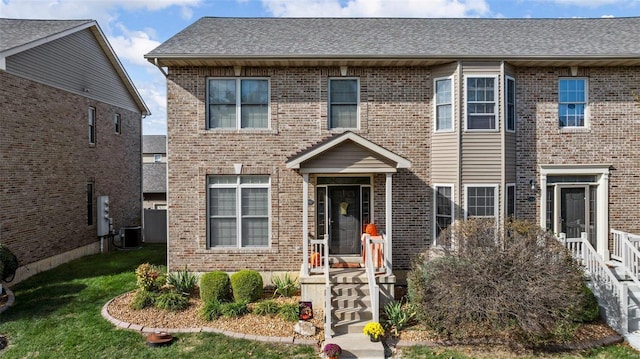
(57, 315)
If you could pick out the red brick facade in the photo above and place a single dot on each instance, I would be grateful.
(396, 112)
(47, 162)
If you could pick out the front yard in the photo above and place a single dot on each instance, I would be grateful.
(57, 315)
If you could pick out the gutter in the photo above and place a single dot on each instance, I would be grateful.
(155, 62)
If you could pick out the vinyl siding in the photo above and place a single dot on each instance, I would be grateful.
(347, 155)
(74, 63)
(444, 158)
(510, 157)
(481, 158)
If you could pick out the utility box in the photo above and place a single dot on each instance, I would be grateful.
(103, 216)
(131, 236)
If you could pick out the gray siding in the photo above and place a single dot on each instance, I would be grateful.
(74, 63)
(444, 157)
(347, 155)
(481, 158)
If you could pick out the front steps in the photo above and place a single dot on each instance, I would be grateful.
(350, 301)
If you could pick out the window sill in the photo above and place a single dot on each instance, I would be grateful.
(261, 131)
(574, 129)
(227, 250)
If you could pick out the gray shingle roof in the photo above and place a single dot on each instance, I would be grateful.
(395, 37)
(154, 144)
(18, 32)
(154, 177)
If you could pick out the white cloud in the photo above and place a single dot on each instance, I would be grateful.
(132, 45)
(377, 8)
(591, 3)
(155, 96)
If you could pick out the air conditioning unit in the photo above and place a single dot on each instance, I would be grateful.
(130, 237)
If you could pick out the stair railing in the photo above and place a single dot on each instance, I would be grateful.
(374, 289)
(612, 293)
(625, 250)
(328, 333)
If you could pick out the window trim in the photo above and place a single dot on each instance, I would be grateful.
(436, 104)
(91, 118)
(506, 200)
(91, 201)
(496, 196)
(117, 121)
(507, 121)
(586, 102)
(435, 207)
(329, 119)
(238, 126)
(496, 86)
(238, 186)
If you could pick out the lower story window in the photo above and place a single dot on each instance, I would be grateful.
(481, 201)
(511, 201)
(238, 211)
(443, 208)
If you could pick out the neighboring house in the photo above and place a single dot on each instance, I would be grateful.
(154, 187)
(154, 171)
(70, 133)
(284, 133)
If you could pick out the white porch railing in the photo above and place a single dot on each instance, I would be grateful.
(612, 293)
(371, 246)
(328, 333)
(625, 250)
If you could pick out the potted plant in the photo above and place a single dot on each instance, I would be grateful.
(332, 351)
(374, 330)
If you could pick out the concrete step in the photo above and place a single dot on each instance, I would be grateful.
(357, 345)
(351, 302)
(350, 290)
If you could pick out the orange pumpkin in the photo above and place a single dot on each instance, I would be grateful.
(371, 229)
(315, 259)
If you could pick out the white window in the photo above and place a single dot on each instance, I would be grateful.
(117, 122)
(510, 103)
(92, 125)
(443, 211)
(510, 204)
(238, 103)
(481, 201)
(443, 104)
(344, 96)
(238, 211)
(157, 157)
(572, 102)
(481, 105)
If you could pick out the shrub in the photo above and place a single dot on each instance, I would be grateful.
(589, 310)
(143, 299)
(525, 283)
(397, 316)
(150, 277)
(289, 312)
(211, 310)
(285, 285)
(172, 301)
(215, 286)
(183, 281)
(266, 307)
(8, 264)
(246, 286)
(234, 309)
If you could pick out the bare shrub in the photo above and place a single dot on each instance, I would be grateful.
(522, 284)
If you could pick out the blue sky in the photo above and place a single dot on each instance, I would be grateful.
(135, 27)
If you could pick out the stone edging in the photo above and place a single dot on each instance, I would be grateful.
(147, 330)
(10, 300)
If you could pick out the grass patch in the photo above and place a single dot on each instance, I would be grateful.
(57, 315)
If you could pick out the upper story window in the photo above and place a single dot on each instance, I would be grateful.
(238, 103)
(510, 103)
(481, 105)
(344, 96)
(238, 211)
(92, 125)
(117, 123)
(157, 157)
(443, 104)
(572, 101)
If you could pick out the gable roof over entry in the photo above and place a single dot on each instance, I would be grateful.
(347, 153)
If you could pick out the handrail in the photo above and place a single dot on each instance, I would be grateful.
(374, 289)
(602, 277)
(629, 254)
(328, 333)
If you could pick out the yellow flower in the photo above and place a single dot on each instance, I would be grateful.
(373, 329)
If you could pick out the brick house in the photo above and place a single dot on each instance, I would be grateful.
(287, 136)
(71, 131)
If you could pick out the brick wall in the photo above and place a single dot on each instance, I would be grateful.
(47, 161)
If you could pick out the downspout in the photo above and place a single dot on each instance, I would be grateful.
(155, 62)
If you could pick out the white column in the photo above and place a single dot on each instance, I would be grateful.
(305, 224)
(602, 216)
(388, 195)
(543, 200)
